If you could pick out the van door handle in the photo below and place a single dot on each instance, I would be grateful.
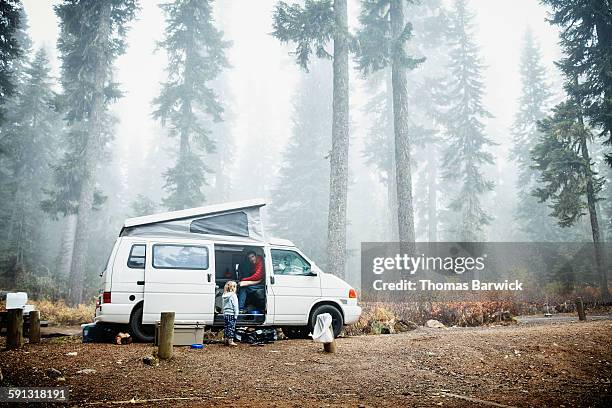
(140, 282)
(209, 277)
(271, 279)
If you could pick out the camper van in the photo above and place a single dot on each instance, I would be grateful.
(180, 261)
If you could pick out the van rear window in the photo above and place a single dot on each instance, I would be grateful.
(137, 257)
(174, 256)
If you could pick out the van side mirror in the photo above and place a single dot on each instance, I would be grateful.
(308, 271)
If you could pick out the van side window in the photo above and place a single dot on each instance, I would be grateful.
(172, 256)
(289, 263)
(137, 256)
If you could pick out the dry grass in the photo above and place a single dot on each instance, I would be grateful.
(380, 317)
(60, 314)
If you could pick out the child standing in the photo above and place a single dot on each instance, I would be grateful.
(230, 312)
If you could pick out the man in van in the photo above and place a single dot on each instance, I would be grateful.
(247, 285)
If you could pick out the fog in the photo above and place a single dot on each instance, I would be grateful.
(260, 93)
(263, 76)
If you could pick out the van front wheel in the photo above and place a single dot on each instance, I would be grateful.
(141, 332)
(337, 321)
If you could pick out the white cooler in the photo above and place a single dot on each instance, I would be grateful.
(186, 333)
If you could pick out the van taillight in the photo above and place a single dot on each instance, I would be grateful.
(106, 297)
(352, 294)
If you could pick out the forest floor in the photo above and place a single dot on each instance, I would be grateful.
(558, 363)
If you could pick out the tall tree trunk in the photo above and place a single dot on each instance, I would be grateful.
(600, 260)
(432, 195)
(338, 180)
(181, 185)
(91, 151)
(392, 179)
(64, 257)
(604, 39)
(405, 212)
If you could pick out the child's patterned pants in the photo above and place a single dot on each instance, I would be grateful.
(230, 326)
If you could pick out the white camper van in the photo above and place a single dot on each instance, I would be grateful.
(179, 261)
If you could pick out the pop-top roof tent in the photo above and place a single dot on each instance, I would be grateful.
(237, 221)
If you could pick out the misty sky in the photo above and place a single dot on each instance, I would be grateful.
(263, 76)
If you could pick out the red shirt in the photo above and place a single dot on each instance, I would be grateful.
(258, 273)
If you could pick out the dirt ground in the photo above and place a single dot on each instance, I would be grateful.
(563, 363)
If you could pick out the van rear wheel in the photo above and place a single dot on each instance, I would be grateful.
(141, 332)
(337, 320)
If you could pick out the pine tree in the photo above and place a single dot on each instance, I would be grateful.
(142, 205)
(428, 21)
(196, 56)
(299, 197)
(465, 153)
(379, 146)
(586, 40)
(27, 143)
(311, 28)
(222, 160)
(22, 45)
(31, 131)
(10, 22)
(382, 42)
(92, 37)
(567, 177)
(607, 206)
(533, 103)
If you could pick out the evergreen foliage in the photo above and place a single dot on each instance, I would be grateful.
(299, 199)
(586, 40)
(558, 157)
(30, 130)
(10, 22)
(533, 104)
(382, 43)
(92, 36)
(466, 153)
(567, 176)
(196, 56)
(310, 28)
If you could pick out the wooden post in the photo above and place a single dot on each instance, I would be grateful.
(14, 331)
(330, 347)
(580, 309)
(166, 335)
(34, 333)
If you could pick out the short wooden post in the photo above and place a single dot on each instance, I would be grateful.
(166, 336)
(34, 333)
(14, 330)
(580, 309)
(330, 347)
